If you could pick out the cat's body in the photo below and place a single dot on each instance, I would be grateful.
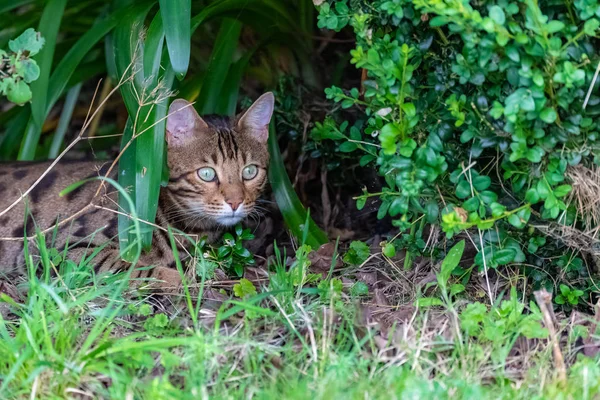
(217, 171)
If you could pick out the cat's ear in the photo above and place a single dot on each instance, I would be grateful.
(255, 121)
(182, 123)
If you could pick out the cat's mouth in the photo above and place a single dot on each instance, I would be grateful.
(229, 220)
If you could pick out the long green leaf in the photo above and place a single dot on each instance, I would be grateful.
(141, 164)
(291, 208)
(227, 100)
(68, 65)
(176, 15)
(63, 123)
(220, 60)
(48, 27)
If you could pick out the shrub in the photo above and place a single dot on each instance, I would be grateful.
(474, 116)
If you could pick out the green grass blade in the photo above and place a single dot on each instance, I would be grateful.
(48, 27)
(65, 119)
(291, 208)
(176, 15)
(220, 61)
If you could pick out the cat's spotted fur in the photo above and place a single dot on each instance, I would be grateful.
(234, 149)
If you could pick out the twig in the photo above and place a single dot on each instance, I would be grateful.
(544, 301)
(589, 92)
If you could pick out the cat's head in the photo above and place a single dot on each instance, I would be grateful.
(218, 165)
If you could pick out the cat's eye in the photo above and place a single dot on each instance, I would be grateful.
(250, 172)
(207, 174)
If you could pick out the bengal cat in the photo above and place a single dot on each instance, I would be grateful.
(218, 169)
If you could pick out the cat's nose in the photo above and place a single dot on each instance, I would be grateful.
(234, 204)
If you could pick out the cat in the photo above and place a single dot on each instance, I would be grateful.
(217, 170)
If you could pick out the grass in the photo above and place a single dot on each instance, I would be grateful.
(73, 334)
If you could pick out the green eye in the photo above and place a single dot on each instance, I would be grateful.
(250, 172)
(207, 174)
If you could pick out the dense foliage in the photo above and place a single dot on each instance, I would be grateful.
(473, 112)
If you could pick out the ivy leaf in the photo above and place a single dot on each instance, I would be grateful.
(30, 41)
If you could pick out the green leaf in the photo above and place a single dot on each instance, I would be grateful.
(555, 26)
(29, 40)
(548, 115)
(176, 15)
(497, 14)
(220, 61)
(428, 302)
(450, 262)
(48, 28)
(389, 250)
(244, 289)
(504, 256)
(482, 182)
(388, 135)
(456, 289)
(463, 189)
(359, 289)
(591, 26)
(291, 208)
(18, 93)
(562, 190)
(357, 253)
(29, 70)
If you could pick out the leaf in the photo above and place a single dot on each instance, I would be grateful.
(218, 66)
(428, 302)
(176, 15)
(482, 182)
(388, 135)
(29, 70)
(48, 28)
(18, 93)
(30, 41)
(591, 26)
(450, 262)
(291, 208)
(504, 256)
(548, 115)
(555, 26)
(497, 14)
(244, 289)
(562, 190)
(389, 250)
(456, 289)
(357, 253)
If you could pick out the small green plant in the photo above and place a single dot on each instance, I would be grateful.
(244, 289)
(568, 296)
(448, 265)
(502, 324)
(230, 255)
(357, 253)
(17, 67)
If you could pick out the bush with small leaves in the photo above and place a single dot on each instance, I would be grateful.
(472, 112)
